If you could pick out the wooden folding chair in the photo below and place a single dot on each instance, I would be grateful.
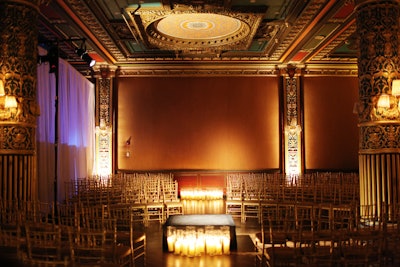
(45, 246)
(92, 248)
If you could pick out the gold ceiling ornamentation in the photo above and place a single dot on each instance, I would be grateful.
(196, 30)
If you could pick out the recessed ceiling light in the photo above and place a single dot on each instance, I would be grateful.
(319, 37)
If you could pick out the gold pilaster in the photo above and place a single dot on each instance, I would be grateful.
(18, 71)
(104, 120)
(378, 65)
(292, 121)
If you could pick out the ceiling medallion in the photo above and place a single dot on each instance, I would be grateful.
(200, 27)
(196, 30)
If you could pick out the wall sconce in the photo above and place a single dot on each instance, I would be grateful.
(2, 92)
(396, 90)
(128, 146)
(387, 105)
(383, 101)
(8, 103)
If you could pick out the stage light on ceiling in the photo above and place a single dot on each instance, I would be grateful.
(83, 54)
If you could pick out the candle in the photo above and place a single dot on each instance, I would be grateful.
(211, 245)
(200, 246)
(171, 240)
(185, 247)
(218, 246)
(226, 241)
(192, 247)
(178, 246)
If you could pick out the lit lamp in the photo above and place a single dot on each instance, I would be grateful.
(2, 93)
(396, 90)
(383, 101)
(9, 101)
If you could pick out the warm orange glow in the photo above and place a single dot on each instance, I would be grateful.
(195, 123)
(2, 93)
(396, 88)
(196, 241)
(11, 102)
(227, 149)
(103, 151)
(201, 194)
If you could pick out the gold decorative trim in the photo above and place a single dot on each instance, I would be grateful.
(301, 23)
(215, 68)
(199, 70)
(16, 139)
(330, 70)
(379, 138)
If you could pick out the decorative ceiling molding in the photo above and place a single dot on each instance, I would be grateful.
(233, 69)
(296, 28)
(125, 33)
(86, 19)
(330, 70)
(191, 29)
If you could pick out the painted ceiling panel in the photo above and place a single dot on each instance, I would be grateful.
(124, 32)
(319, 37)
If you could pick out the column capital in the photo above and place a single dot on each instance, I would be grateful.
(105, 71)
(290, 69)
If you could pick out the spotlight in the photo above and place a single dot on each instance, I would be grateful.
(83, 54)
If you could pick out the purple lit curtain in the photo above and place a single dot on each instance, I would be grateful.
(76, 129)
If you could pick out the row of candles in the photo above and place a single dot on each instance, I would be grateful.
(196, 241)
(201, 194)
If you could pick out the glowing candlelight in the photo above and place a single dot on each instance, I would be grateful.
(171, 243)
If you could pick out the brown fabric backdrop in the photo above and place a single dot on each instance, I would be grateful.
(330, 127)
(195, 123)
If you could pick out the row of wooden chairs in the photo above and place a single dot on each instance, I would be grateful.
(294, 236)
(153, 197)
(247, 192)
(71, 235)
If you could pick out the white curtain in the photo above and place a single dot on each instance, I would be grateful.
(76, 129)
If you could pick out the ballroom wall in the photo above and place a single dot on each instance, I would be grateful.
(194, 123)
(330, 126)
(230, 123)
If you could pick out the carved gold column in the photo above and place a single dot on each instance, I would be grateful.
(18, 46)
(104, 120)
(379, 128)
(292, 121)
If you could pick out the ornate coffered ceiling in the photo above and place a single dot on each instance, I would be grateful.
(212, 35)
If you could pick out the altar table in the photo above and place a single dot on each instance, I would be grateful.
(201, 220)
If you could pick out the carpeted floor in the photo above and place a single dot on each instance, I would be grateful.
(245, 243)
